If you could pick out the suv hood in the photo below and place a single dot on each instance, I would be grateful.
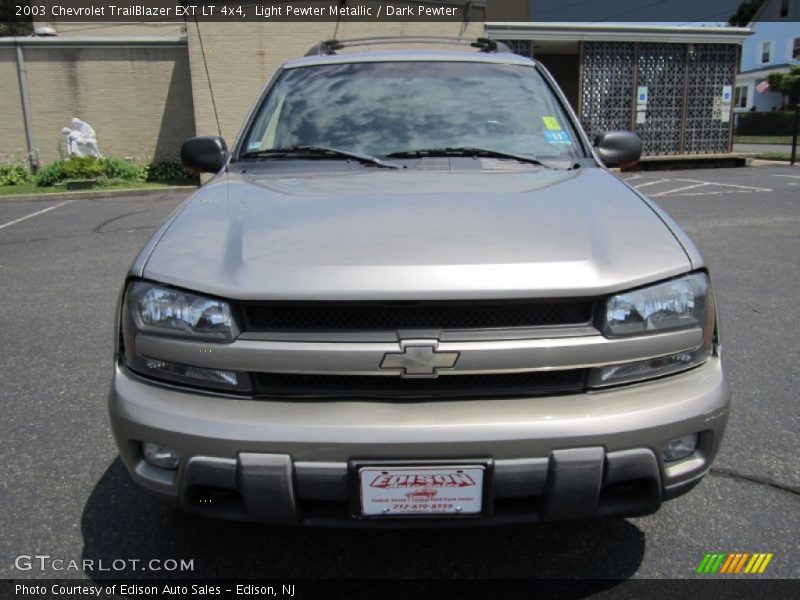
(381, 234)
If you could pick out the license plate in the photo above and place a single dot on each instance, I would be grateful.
(422, 490)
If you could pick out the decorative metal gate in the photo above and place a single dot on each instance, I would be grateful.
(522, 47)
(683, 110)
(661, 68)
(606, 86)
(711, 67)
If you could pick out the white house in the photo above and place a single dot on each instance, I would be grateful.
(773, 47)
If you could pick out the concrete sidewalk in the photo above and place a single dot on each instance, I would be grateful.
(763, 148)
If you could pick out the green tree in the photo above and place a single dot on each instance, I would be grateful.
(746, 12)
(787, 84)
(10, 23)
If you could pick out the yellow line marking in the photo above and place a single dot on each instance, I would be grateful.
(756, 566)
(752, 562)
(765, 563)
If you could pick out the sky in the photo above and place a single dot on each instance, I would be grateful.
(677, 12)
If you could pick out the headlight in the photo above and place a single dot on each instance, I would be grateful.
(150, 308)
(164, 310)
(675, 304)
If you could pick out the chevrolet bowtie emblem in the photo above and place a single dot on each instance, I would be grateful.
(419, 359)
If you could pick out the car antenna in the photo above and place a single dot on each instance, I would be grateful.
(208, 78)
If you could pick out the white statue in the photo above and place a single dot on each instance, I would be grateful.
(81, 139)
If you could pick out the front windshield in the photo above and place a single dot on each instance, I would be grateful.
(388, 107)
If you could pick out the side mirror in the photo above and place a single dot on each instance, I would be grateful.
(618, 148)
(205, 154)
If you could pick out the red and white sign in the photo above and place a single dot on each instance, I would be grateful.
(421, 490)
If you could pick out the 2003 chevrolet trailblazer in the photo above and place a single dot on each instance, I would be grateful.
(414, 294)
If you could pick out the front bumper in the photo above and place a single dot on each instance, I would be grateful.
(552, 457)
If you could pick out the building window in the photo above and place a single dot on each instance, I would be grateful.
(740, 98)
(796, 49)
(766, 52)
(784, 8)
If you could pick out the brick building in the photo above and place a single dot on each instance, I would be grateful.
(145, 87)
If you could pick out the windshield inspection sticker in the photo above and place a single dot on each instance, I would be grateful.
(557, 137)
(551, 123)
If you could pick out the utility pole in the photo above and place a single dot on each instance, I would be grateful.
(33, 158)
(794, 132)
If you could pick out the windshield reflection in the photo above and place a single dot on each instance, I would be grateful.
(384, 108)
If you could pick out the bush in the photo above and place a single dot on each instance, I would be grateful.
(82, 167)
(120, 169)
(77, 167)
(168, 171)
(86, 167)
(765, 123)
(14, 175)
(51, 174)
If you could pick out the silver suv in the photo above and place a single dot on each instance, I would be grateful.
(413, 293)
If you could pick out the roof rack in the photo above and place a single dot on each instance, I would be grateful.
(331, 46)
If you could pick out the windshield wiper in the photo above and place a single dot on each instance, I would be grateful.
(467, 151)
(320, 151)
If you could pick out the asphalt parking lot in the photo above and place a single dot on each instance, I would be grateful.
(66, 494)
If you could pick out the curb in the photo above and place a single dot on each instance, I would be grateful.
(763, 162)
(97, 194)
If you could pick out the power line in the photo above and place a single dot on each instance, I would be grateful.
(717, 14)
(627, 12)
(537, 14)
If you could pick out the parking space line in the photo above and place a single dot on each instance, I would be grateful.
(680, 189)
(792, 176)
(743, 187)
(36, 214)
(651, 183)
(715, 193)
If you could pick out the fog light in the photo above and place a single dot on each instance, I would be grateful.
(187, 372)
(647, 369)
(160, 456)
(680, 447)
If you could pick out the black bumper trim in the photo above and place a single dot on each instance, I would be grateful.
(571, 483)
